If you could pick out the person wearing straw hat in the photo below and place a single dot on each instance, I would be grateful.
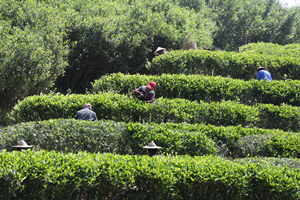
(152, 148)
(160, 51)
(86, 113)
(262, 73)
(146, 93)
(22, 145)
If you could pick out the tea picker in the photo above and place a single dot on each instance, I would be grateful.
(152, 149)
(22, 145)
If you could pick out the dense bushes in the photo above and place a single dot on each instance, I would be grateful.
(112, 36)
(289, 50)
(30, 61)
(70, 135)
(125, 108)
(53, 175)
(243, 22)
(206, 88)
(119, 36)
(235, 65)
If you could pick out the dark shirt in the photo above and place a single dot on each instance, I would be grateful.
(148, 96)
(264, 75)
(86, 114)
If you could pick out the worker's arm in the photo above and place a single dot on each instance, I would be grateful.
(138, 92)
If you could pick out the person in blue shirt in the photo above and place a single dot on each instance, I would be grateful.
(263, 74)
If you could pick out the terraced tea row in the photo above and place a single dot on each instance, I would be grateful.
(232, 64)
(206, 88)
(70, 135)
(54, 175)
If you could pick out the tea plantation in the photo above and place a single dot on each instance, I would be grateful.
(224, 135)
(221, 138)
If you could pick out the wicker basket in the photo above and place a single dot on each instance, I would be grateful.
(187, 44)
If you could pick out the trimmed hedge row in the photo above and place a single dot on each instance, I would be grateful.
(124, 108)
(206, 88)
(53, 175)
(70, 135)
(289, 50)
(235, 65)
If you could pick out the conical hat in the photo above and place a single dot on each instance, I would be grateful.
(159, 49)
(22, 144)
(152, 145)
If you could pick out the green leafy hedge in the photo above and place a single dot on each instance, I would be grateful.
(206, 88)
(124, 108)
(105, 136)
(53, 175)
(289, 50)
(235, 65)
(70, 135)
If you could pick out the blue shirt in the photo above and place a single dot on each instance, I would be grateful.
(264, 75)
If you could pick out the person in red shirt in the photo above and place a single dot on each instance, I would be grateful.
(146, 93)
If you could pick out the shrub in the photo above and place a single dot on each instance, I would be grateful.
(54, 175)
(235, 65)
(70, 135)
(124, 108)
(34, 52)
(206, 88)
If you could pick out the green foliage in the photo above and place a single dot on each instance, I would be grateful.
(70, 135)
(124, 108)
(53, 175)
(289, 50)
(206, 88)
(128, 109)
(105, 136)
(32, 50)
(243, 22)
(235, 65)
(120, 36)
(282, 144)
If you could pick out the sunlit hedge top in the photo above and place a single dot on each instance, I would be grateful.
(289, 50)
(55, 175)
(235, 65)
(126, 108)
(207, 88)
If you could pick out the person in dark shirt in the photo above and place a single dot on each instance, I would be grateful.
(262, 73)
(86, 113)
(146, 93)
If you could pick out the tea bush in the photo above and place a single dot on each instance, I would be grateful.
(125, 108)
(231, 64)
(70, 135)
(206, 88)
(288, 50)
(54, 175)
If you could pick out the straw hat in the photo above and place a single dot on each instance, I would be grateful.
(260, 68)
(151, 145)
(22, 145)
(160, 49)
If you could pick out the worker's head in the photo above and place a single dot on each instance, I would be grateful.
(160, 51)
(151, 85)
(260, 68)
(87, 105)
(152, 148)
